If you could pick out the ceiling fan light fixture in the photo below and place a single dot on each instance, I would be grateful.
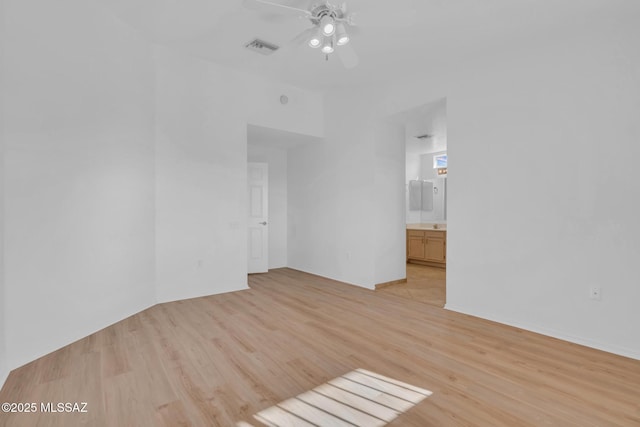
(316, 39)
(328, 25)
(315, 42)
(341, 35)
(327, 47)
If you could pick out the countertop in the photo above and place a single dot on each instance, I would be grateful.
(441, 227)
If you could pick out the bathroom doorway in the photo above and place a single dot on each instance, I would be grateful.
(425, 205)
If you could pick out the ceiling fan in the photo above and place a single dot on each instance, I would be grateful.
(330, 30)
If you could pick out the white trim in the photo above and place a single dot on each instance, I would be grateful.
(243, 287)
(609, 348)
(369, 287)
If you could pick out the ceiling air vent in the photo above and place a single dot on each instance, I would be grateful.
(261, 46)
(425, 136)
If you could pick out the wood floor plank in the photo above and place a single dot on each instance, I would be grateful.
(219, 360)
(356, 401)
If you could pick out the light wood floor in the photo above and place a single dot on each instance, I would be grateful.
(424, 284)
(217, 360)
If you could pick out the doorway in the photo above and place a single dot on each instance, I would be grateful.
(271, 147)
(258, 217)
(425, 204)
(424, 283)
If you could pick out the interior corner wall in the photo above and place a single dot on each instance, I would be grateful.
(336, 192)
(78, 174)
(201, 160)
(543, 184)
(389, 197)
(202, 112)
(276, 158)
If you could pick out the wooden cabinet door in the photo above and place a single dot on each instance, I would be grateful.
(435, 250)
(415, 246)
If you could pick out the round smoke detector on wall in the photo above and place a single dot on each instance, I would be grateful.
(284, 99)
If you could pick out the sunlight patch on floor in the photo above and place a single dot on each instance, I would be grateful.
(359, 398)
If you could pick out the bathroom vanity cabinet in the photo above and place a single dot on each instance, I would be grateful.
(427, 247)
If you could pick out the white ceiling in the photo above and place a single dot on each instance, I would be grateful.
(445, 30)
(428, 119)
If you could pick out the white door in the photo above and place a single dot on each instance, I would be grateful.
(258, 249)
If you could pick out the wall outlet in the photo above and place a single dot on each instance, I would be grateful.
(595, 293)
(348, 255)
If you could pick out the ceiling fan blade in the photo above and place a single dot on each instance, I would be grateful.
(267, 6)
(353, 30)
(303, 36)
(289, 48)
(347, 55)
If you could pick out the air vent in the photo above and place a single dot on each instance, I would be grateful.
(425, 136)
(261, 46)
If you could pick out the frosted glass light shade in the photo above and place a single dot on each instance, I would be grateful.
(328, 26)
(328, 48)
(341, 35)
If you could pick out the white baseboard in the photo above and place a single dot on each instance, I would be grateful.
(370, 287)
(621, 351)
(166, 299)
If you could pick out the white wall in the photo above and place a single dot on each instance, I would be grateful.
(335, 192)
(543, 184)
(389, 213)
(200, 171)
(3, 303)
(201, 160)
(276, 158)
(330, 193)
(125, 176)
(79, 206)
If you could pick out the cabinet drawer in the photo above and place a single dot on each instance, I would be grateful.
(435, 234)
(415, 233)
